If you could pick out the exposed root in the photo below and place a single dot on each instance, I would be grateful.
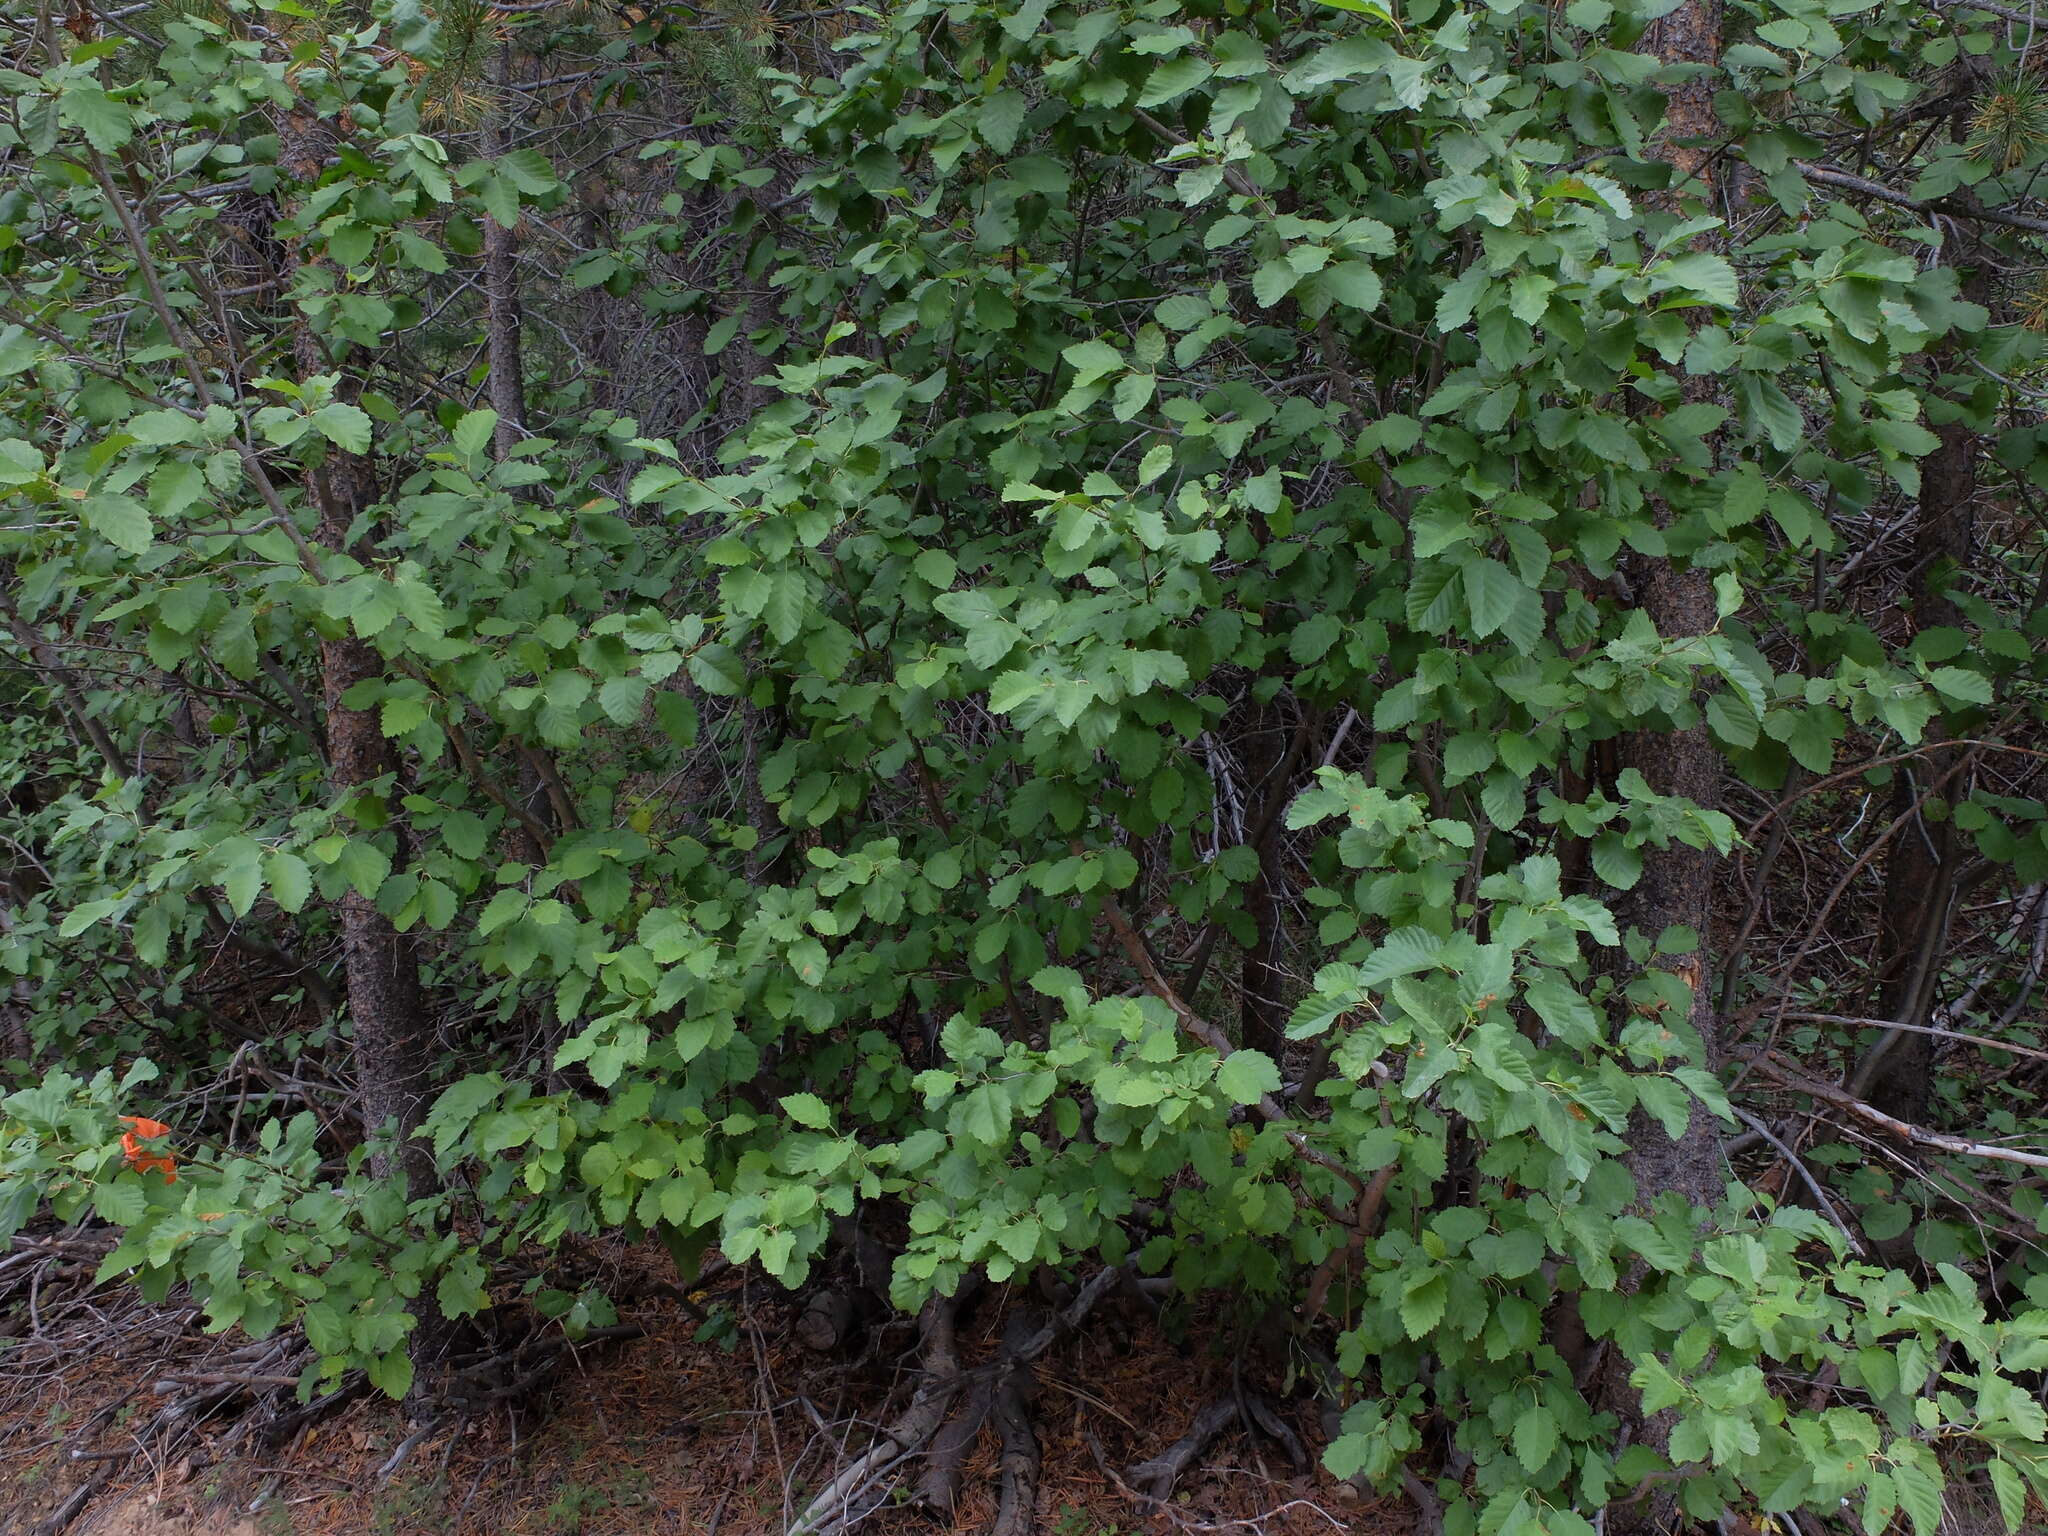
(1016, 1513)
(939, 1489)
(1429, 1509)
(1258, 1410)
(858, 1489)
(1153, 1481)
(829, 1510)
(1064, 1322)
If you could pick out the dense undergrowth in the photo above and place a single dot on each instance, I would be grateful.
(1191, 638)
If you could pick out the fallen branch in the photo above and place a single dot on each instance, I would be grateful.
(1772, 1066)
(406, 1447)
(61, 1517)
(1065, 1322)
(1852, 1021)
(1153, 1481)
(1429, 1509)
(1806, 1175)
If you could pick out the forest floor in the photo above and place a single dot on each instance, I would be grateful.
(667, 1433)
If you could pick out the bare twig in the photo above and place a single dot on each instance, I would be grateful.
(1775, 1067)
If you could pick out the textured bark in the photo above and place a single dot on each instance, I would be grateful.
(1921, 863)
(503, 319)
(394, 1058)
(1676, 883)
(1017, 1504)
(387, 1006)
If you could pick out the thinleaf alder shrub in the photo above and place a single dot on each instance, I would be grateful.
(1230, 583)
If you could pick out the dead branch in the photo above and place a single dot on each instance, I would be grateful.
(1775, 1067)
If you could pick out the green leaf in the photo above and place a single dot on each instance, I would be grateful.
(1529, 295)
(1313, 638)
(241, 873)
(1733, 720)
(2011, 1492)
(720, 335)
(1274, 281)
(1422, 1305)
(349, 245)
(1353, 284)
(1615, 862)
(1535, 1438)
(1133, 392)
(464, 834)
(1000, 120)
(391, 1374)
(365, 865)
(807, 1109)
(121, 520)
(402, 714)
(120, 1201)
(528, 170)
(1432, 596)
(106, 123)
(472, 434)
(621, 699)
(1703, 273)
(418, 254)
(1093, 359)
(290, 881)
(1919, 1487)
(1564, 1010)
(1492, 592)
(157, 428)
(1173, 78)
(346, 426)
(1961, 684)
(1247, 1076)
(936, 567)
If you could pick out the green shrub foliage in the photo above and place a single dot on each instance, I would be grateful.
(1081, 376)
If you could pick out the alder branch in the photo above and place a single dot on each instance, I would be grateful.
(1774, 1067)
(1806, 1174)
(1952, 206)
(1268, 1107)
(1853, 1021)
(2025, 18)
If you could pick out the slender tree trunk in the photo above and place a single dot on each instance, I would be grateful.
(503, 319)
(394, 1036)
(1262, 1017)
(1922, 862)
(1676, 883)
(504, 340)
